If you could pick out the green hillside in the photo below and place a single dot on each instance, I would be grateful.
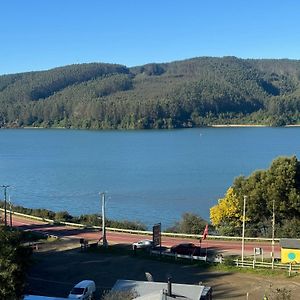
(194, 92)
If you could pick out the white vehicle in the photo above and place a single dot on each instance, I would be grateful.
(143, 244)
(84, 290)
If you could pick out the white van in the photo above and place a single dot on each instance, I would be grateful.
(84, 290)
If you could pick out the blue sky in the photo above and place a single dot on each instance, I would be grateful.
(41, 34)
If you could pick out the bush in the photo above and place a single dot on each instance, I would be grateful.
(229, 261)
(133, 225)
(190, 223)
(38, 212)
(63, 216)
(90, 220)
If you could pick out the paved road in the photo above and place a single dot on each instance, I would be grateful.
(232, 247)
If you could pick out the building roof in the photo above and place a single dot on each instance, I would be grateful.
(35, 297)
(155, 290)
(290, 243)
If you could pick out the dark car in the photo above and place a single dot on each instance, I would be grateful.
(186, 249)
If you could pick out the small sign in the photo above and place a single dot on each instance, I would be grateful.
(157, 234)
(257, 251)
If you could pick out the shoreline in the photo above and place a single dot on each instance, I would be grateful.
(208, 126)
(237, 125)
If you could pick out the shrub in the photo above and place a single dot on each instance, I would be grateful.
(190, 223)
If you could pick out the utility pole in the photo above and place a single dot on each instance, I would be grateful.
(273, 234)
(10, 211)
(5, 217)
(243, 232)
(104, 240)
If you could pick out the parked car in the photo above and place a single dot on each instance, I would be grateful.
(143, 244)
(84, 290)
(186, 249)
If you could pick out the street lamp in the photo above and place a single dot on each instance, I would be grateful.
(273, 234)
(104, 240)
(5, 217)
(243, 231)
(10, 212)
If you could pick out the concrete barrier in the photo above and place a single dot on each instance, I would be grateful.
(141, 232)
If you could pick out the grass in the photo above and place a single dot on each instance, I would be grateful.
(227, 266)
(31, 236)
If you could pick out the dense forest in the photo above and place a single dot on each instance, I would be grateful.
(196, 92)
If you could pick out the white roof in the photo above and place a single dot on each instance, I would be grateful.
(153, 290)
(84, 283)
(35, 297)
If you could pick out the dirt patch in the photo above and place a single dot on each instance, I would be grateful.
(58, 266)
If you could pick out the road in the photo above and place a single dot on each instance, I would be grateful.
(229, 247)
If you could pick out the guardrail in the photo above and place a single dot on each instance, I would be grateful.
(132, 231)
(28, 216)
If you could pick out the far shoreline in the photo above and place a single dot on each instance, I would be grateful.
(133, 129)
(237, 125)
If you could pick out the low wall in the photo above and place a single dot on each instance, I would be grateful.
(169, 234)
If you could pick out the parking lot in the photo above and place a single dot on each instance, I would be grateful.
(59, 266)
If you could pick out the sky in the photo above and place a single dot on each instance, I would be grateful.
(42, 34)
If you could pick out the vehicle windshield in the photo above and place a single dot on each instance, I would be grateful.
(77, 291)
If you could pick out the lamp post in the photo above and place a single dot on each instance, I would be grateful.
(10, 212)
(104, 240)
(5, 208)
(273, 234)
(243, 231)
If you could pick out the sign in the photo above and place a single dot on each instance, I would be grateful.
(257, 251)
(157, 235)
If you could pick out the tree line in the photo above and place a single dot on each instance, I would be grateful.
(190, 93)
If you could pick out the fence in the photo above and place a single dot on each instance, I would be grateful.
(291, 267)
(216, 259)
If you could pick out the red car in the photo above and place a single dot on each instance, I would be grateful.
(186, 249)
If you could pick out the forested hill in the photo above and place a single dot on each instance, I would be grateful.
(195, 92)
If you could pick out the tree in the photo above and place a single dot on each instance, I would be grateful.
(14, 260)
(280, 184)
(226, 215)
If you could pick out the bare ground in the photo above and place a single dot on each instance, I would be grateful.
(59, 265)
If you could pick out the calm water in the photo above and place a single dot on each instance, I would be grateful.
(151, 176)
